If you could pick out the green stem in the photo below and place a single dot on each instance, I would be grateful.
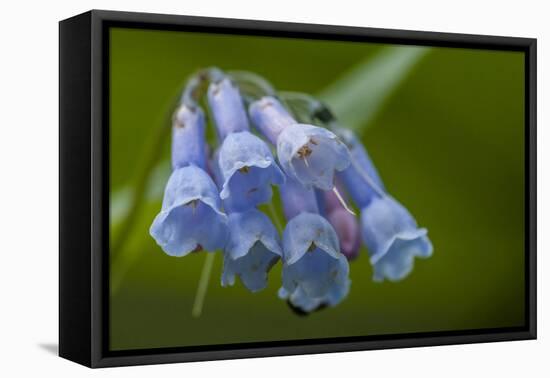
(203, 284)
(159, 137)
(275, 216)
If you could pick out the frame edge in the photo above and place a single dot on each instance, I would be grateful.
(98, 20)
(74, 189)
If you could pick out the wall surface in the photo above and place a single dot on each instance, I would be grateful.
(29, 190)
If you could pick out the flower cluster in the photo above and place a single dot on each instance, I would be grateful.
(212, 198)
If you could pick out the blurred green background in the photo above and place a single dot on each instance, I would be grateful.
(445, 129)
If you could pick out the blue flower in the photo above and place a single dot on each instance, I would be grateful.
(247, 169)
(245, 165)
(388, 229)
(252, 249)
(190, 217)
(314, 271)
(310, 154)
(227, 107)
(393, 238)
(299, 299)
(361, 178)
(188, 143)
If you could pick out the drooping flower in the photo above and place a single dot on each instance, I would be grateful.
(190, 217)
(245, 162)
(393, 238)
(322, 233)
(315, 273)
(188, 143)
(389, 231)
(248, 170)
(310, 154)
(252, 249)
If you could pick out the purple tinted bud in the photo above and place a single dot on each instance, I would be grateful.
(345, 224)
(270, 117)
(188, 143)
(347, 229)
(227, 107)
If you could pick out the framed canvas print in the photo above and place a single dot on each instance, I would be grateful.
(234, 188)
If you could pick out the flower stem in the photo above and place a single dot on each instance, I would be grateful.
(275, 217)
(203, 285)
(151, 156)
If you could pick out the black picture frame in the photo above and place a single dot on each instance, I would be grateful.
(84, 187)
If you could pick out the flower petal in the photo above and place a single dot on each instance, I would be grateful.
(311, 154)
(382, 220)
(393, 238)
(361, 166)
(305, 230)
(315, 273)
(252, 268)
(248, 170)
(190, 214)
(188, 138)
(227, 107)
(246, 229)
(398, 261)
(316, 280)
(253, 248)
(270, 117)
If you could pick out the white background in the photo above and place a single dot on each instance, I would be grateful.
(29, 186)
